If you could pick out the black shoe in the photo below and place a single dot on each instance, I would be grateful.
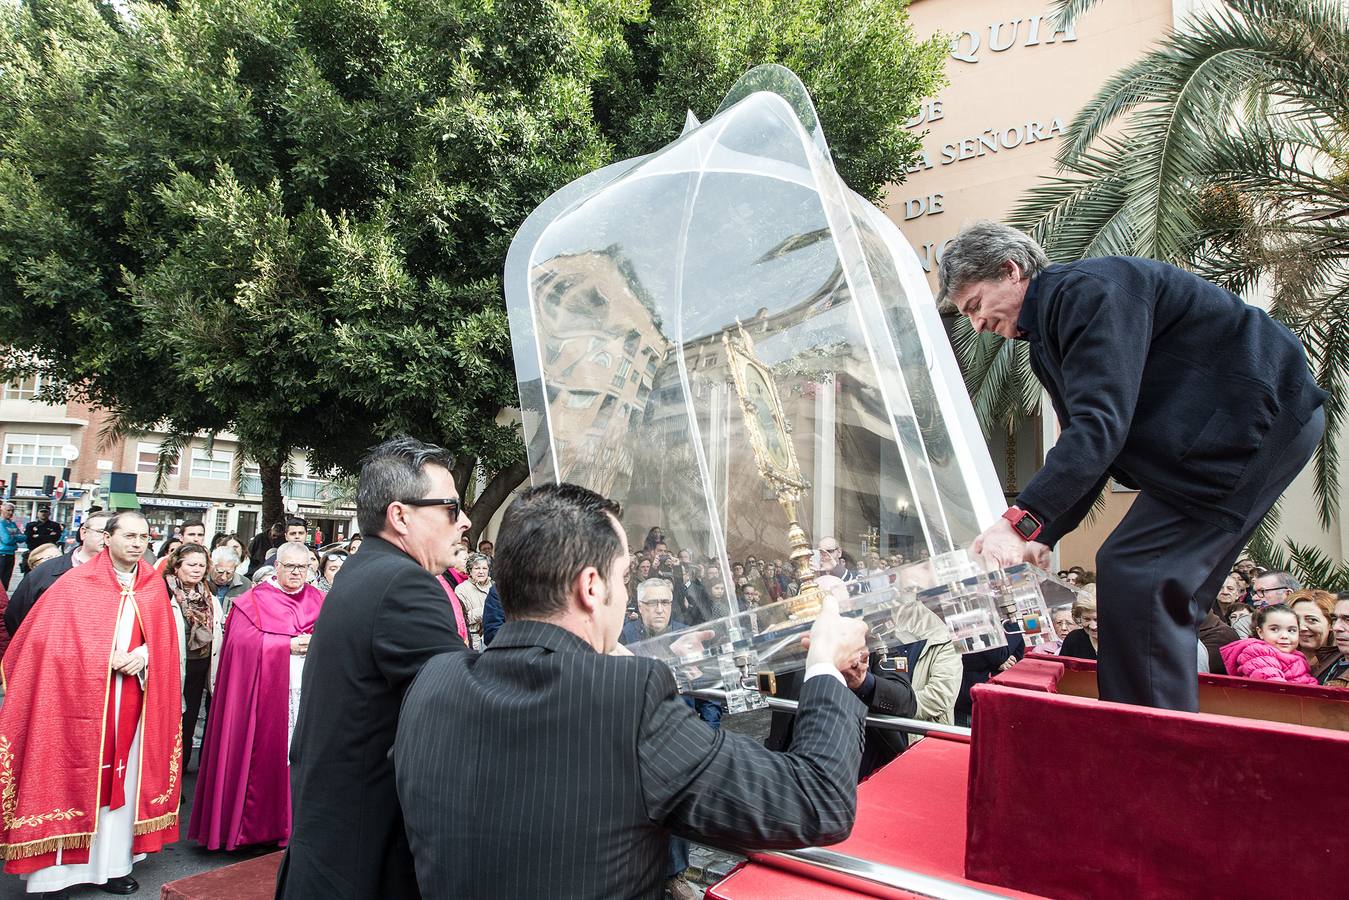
(62, 894)
(124, 885)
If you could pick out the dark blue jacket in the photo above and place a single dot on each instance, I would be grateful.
(1168, 383)
(493, 615)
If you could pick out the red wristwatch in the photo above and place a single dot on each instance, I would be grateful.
(1023, 523)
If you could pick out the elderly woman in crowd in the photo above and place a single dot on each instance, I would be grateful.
(1082, 643)
(328, 566)
(1061, 617)
(227, 539)
(225, 578)
(472, 593)
(1315, 611)
(1232, 606)
(185, 574)
(243, 788)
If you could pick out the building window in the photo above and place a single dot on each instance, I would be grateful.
(250, 480)
(581, 399)
(222, 517)
(24, 388)
(147, 459)
(34, 450)
(212, 465)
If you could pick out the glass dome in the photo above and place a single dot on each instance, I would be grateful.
(699, 330)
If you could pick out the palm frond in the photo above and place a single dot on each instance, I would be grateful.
(1065, 13)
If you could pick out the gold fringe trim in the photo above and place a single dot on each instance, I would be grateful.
(47, 845)
(149, 826)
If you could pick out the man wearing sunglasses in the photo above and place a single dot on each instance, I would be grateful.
(381, 622)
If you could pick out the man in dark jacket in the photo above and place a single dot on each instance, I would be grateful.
(42, 530)
(549, 766)
(1126, 349)
(384, 618)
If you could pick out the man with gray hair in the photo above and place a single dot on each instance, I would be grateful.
(1170, 385)
(1270, 588)
(382, 620)
(224, 578)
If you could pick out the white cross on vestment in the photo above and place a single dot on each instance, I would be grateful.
(121, 769)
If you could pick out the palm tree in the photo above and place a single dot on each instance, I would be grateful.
(1224, 151)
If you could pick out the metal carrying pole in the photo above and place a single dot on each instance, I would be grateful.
(887, 723)
(879, 873)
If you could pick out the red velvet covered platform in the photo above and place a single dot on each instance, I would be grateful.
(253, 879)
(1061, 795)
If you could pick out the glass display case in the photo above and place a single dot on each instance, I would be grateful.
(743, 654)
(745, 354)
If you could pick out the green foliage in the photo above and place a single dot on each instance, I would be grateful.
(1307, 564)
(1223, 150)
(289, 219)
(860, 61)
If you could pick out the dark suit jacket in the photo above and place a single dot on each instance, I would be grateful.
(541, 768)
(384, 618)
(888, 693)
(33, 586)
(1163, 380)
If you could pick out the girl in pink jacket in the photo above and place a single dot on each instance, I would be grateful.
(1271, 655)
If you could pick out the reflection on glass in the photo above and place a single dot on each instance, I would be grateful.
(623, 290)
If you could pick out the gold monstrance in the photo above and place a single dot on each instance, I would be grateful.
(771, 440)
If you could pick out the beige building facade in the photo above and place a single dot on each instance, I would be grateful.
(40, 440)
(1015, 86)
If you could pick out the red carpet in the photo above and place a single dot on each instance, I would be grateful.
(253, 879)
(911, 815)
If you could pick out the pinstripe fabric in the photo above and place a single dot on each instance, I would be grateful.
(541, 768)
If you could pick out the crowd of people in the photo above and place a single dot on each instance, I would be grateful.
(1262, 624)
(260, 643)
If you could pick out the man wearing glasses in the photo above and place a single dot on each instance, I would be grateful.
(92, 537)
(1273, 587)
(655, 605)
(384, 618)
(833, 563)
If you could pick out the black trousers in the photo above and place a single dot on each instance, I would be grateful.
(194, 686)
(1156, 577)
(6, 570)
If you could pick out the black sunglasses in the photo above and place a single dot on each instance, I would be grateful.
(451, 504)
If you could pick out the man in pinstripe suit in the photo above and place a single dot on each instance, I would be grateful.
(547, 766)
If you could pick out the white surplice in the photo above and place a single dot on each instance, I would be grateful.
(110, 851)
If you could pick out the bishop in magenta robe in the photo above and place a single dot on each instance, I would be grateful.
(243, 786)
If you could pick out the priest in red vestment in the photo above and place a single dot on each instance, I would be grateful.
(90, 729)
(243, 785)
